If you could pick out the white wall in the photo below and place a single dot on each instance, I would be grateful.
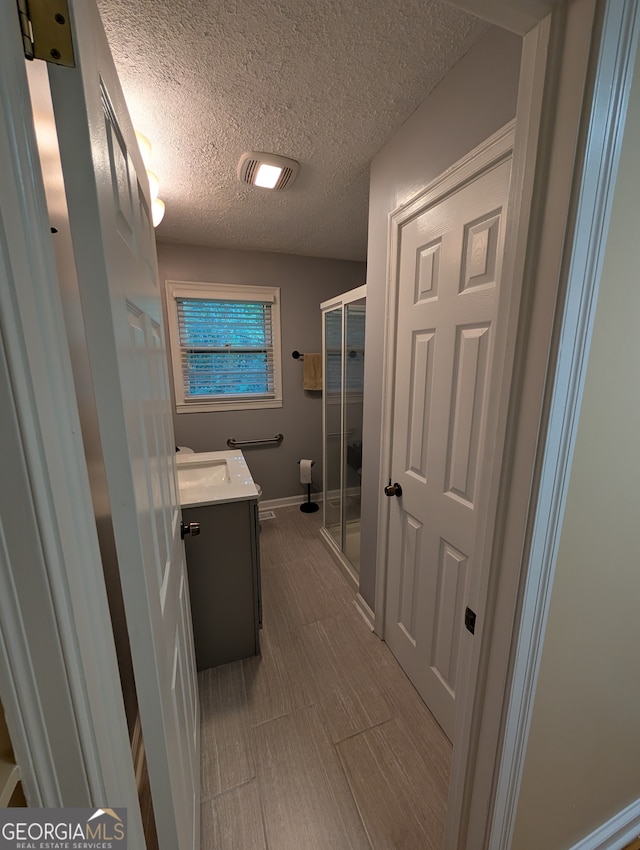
(475, 99)
(583, 754)
(304, 283)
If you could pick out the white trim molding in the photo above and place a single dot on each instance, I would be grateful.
(595, 184)
(228, 292)
(365, 611)
(616, 833)
(287, 501)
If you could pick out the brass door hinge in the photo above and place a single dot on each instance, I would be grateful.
(46, 32)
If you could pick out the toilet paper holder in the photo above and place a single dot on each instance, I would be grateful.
(308, 507)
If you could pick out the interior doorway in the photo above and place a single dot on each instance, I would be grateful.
(446, 249)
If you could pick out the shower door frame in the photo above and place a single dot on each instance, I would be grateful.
(338, 302)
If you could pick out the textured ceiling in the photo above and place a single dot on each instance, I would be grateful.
(325, 82)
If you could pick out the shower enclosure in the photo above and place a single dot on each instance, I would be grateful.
(343, 325)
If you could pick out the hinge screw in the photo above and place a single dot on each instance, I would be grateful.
(60, 19)
(55, 53)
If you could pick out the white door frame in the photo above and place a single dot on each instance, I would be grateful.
(489, 154)
(339, 301)
(594, 181)
(562, 178)
(72, 649)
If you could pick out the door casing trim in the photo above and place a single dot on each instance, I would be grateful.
(609, 77)
(490, 153)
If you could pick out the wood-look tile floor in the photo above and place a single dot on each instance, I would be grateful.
(321, 743)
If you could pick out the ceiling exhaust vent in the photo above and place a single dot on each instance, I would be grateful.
(267, 170)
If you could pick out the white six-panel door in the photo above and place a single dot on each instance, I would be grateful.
(114, 249)
(448, 273)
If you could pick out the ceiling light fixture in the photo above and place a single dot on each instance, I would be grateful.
(157, 211)
(267, 170)
(154, 184)
(157, 206)
(267, 176)
(145, 148)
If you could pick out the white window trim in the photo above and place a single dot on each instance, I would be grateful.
(229, 291)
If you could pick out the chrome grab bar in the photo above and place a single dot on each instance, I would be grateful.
(243, 444)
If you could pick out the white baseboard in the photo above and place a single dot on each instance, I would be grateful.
(616, 833)
(287, 501)
(365, 611)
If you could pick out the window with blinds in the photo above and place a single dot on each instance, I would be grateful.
(225, 346)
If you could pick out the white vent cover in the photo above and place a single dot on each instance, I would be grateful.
(250, 163)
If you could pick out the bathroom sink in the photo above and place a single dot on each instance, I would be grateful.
(203, 474)
(205, 478)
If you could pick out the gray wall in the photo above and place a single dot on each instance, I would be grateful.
(581, 765)
(304, 283)
(474, 100)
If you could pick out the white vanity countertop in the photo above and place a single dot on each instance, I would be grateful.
(209, 478)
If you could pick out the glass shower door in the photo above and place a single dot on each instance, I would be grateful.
(354, 326)
(333, 424)
(343, 328)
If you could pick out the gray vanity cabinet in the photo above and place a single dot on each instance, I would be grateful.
(223, 564)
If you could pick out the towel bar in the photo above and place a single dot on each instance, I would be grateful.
(243, 444)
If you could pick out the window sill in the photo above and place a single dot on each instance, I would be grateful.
(217, 406)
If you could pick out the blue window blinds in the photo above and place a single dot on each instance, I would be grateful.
(226, 348)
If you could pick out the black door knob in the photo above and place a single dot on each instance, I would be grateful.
(393, 489)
